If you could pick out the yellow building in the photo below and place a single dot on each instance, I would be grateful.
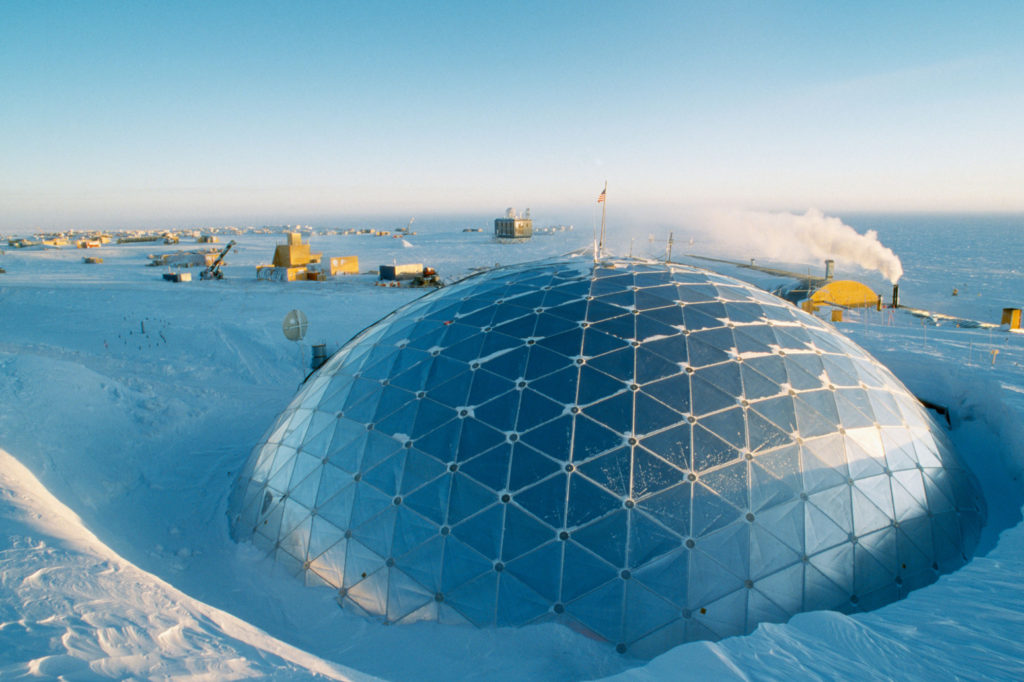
(844, 292)
(293, 261)
(1011, 317)
(294, 253)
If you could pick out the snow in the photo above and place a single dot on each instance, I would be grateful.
(129, 402)
(74, 608)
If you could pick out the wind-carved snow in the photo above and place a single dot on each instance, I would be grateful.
(83, 611)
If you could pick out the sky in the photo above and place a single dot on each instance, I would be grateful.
(120, 114)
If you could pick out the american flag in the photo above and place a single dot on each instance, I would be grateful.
(600, 199)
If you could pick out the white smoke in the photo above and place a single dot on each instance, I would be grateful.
(793, 237)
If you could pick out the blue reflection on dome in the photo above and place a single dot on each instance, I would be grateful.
(650, 453)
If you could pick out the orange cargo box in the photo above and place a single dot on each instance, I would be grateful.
(345, 265)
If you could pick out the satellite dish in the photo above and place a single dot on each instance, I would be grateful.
(294, 325)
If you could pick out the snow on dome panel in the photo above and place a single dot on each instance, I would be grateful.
(651, 452)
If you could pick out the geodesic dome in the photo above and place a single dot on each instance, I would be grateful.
(650, 453)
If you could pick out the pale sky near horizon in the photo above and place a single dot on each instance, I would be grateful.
(161, 113)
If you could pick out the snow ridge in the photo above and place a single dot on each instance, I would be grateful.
(83, 611)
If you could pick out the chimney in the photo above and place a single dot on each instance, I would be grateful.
(895, 295)
(319, 356)
(830, 270)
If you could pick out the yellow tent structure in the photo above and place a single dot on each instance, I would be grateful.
(846, 293)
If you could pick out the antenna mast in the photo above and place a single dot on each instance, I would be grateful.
(604, 206)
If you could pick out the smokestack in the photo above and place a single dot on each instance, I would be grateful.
(319, 356)
(895, 295)
(830, 270)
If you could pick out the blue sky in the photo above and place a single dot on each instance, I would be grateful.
(121, 113)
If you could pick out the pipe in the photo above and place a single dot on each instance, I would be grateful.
(895, 295)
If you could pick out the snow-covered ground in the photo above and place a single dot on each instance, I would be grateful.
(127, 404)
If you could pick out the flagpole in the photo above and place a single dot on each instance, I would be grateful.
(604, 207)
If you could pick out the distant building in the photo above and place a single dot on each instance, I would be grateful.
(512, 226)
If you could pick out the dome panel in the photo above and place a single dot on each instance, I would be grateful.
(651, 452)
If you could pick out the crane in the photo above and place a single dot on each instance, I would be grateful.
(213, 272)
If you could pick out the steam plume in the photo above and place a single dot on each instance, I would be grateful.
(813, 235)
